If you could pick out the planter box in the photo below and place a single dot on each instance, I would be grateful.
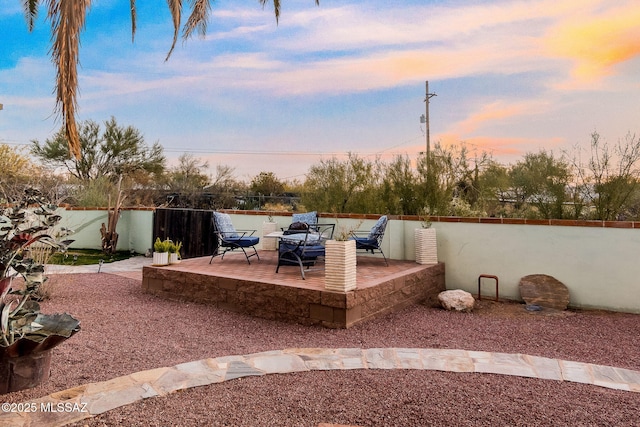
(426, 246)
(340, 265)
(269, 244)
(161, 258)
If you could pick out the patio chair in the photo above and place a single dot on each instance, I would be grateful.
(372, 241)
(300, 221)
(310, 218)
(232, 239)
(302, 248)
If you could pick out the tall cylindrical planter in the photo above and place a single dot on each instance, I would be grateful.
(340, 265)
(269, 244)
(426, 246)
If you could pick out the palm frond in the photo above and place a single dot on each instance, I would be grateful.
(31, 12)
(67, 21)
(133, 19)
(175, 6)
(276, 7)
(198, 19)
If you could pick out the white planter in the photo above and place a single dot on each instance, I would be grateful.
(340, 265)
(269, 244)
(174, 258)
(160, 258)
(426, 246)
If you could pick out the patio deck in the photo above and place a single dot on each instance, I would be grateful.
(258, 290)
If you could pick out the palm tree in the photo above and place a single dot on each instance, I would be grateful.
(67, 22)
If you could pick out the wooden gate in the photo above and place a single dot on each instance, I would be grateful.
(192, 227)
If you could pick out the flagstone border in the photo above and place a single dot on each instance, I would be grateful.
(92, 399)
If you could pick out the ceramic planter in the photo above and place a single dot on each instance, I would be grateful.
(174, 258)
(269, 244)
(160, 258)
(426, 246)
(340, 265)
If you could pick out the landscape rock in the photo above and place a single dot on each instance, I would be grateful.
(457, 299)
(544, 291)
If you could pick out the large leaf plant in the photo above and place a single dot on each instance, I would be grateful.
(21, 225)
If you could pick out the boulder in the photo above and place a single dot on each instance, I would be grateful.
(457, 299)
(544, 291)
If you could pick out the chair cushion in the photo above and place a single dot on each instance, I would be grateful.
(378, 228)
(306, 252)
(365, 242)
(308, 217)
(312, 238)
(224, 225)
(244, 242)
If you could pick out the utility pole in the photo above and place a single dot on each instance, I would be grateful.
(425, 119)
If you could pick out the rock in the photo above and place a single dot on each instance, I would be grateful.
(457, 299)
(544, 291)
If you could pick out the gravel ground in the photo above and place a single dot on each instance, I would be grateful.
(124, 331)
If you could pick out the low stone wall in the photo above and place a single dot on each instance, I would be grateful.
(299, 305)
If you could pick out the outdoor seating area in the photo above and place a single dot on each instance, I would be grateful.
(258, 290)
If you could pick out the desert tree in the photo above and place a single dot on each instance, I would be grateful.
(540, 180)
(450, 172)
(400, 193)
(608, 179)
(338, 186)
(17, 172)
(110, 153)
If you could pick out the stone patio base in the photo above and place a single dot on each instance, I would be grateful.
(288, 298)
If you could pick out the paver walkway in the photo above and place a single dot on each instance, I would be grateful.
(89, 400)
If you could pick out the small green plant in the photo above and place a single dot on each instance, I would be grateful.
(174, 248)
(162, 245)
(344, 233)
(425, 218)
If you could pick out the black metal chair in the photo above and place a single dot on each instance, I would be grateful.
(372, 242)
(232, 239)
(303, 247)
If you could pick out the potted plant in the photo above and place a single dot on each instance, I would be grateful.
(174, 252)
(340, 261)
(161, 252)
(426, 245)
(26, 335)
(269, 226)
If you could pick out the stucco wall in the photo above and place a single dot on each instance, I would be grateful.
(597, 262)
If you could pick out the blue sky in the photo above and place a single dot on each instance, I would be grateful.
(511, 77)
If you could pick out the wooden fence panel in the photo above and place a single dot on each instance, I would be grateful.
(192, 227)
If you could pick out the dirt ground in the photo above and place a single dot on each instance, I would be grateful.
(511, 309)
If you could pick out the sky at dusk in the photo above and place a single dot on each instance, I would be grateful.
(510, 77)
